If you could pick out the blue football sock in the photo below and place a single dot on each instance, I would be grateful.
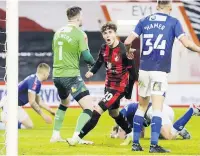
(180, 123)
(156, 124)
(137, 125)
(19, 125)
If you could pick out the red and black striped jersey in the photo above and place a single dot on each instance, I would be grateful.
(117, 65)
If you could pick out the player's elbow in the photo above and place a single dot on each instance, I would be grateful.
(186, 42)
(186, 45)
(89, 60)
(88, 57)
(130, 39)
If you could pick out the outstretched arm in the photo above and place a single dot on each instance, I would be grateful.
(36, 107)
(96, 66)
(84, 49)
(189, 44)
(88, 57)
(180, 34)
(129, 40)
(43, 105)
(33, 103)
(98, 62)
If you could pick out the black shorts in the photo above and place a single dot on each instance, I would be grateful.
(111, 99)
(73, 85)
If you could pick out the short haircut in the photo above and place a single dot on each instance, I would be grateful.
(73, 12)
(164, 2)
(43, 66)
(109, 25)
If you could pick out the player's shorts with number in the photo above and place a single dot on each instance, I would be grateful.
(152, 83)
(73, 85)
(111, 99)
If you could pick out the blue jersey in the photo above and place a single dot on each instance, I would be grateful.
(129, 111)
(29, 84)
(159, 31)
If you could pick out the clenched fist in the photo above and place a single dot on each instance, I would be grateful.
(130, 54)
(47, 119)
(89, 74)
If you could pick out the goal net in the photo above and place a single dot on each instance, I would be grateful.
(9, 49)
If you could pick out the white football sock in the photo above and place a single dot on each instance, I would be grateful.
(56, 133)
(75, 134)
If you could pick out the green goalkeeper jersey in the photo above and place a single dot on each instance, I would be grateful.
(68, 43)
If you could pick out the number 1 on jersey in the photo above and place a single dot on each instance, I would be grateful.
(60, 50)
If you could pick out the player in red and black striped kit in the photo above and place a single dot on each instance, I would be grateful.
(117, 74)
(120, 77)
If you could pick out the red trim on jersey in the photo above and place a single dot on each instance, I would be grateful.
(113, 99)
(34, 84)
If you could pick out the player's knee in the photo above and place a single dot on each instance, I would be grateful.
(99, 109)
(114, 113)
(27, 123)
(29, 126)
(65, 102)
(144, 101)
(86, 102)
(168, 136)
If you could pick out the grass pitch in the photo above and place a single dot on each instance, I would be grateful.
(36, 141)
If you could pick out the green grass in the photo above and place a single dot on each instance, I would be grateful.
(36, 141)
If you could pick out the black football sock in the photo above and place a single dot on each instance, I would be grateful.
(122, 121)
(90, 124)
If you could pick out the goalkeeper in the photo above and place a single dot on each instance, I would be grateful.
(69, 43)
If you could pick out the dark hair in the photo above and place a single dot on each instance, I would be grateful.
(164, 2)
(73, 11)
(109, 25)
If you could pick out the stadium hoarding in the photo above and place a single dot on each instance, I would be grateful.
(178, 95)
(50, 95)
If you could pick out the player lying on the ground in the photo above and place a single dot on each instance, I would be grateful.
(169, 130)
(120, 74)
(158, 32)
(28, 92)
(69, 44)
